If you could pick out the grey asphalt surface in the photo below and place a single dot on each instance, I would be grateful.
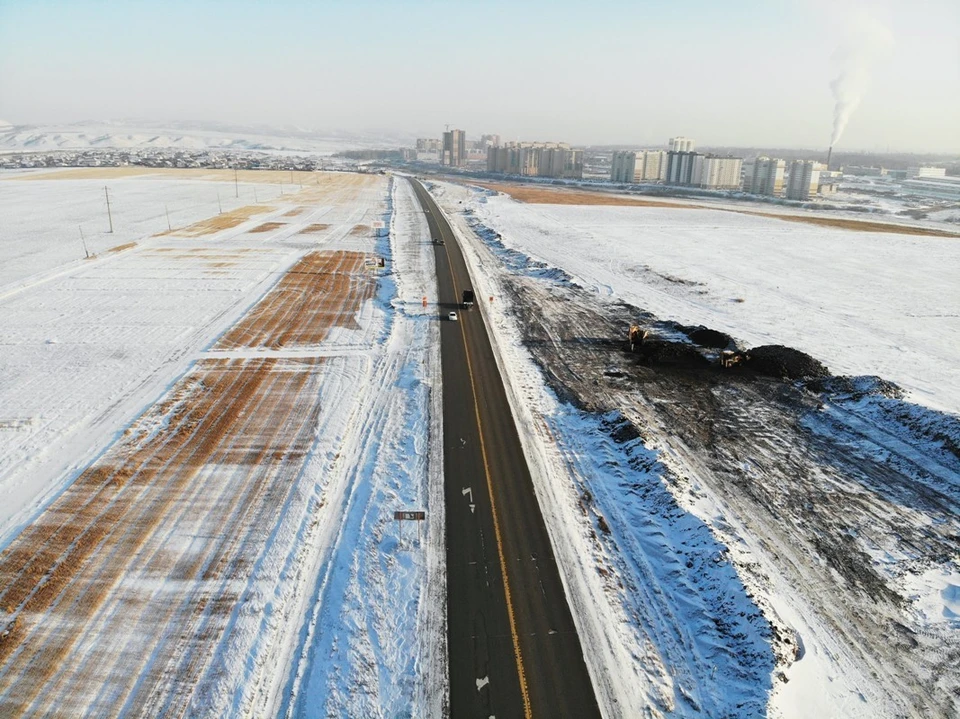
(485, 671)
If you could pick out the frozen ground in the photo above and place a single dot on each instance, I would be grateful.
(732, 546)
(863, 303)
(85, 345)
(44, 225)
(242, 496)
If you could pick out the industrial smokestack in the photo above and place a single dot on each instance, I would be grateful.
(829, 153)
(867, 39)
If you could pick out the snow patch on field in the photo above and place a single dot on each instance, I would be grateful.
(863, 303)
(41, 221)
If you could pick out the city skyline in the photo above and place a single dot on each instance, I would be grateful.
(612, 74)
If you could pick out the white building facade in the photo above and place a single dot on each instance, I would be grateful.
(804, 179)
(682, 144)
(640, 166)
(767, 177)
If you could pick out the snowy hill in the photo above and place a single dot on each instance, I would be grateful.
(192, 136)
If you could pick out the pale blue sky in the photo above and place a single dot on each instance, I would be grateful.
(755, 72)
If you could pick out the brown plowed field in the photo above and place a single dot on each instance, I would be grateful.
(121, 248)
(856, 225)
(558, 196)
(216, 223)
(116, 598)
(143, 545)
(323, 290)
(268, 227)
(315, 227)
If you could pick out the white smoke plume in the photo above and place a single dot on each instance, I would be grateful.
(867, 39)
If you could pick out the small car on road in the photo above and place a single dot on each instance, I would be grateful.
(452, 316)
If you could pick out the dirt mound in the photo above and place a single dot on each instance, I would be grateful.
(706, 337)
(785, 362)
(672, 353)
(856, 387)
(620, 428)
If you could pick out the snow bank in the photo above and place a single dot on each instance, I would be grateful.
(374, 639)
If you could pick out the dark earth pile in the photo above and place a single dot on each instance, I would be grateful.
(706, 337)
(786, 362)
(672, 353)
(855, 388)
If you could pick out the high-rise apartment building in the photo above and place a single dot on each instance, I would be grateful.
(641, 166)
(682, 144)
(654, 166)
(623, 166)
(536, 159)
(454, 153)
(694, 169)
(767, 177)
(489, 141)
(720, 173)
(803, 180)
(683, 167)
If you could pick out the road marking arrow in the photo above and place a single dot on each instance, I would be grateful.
(468, 491)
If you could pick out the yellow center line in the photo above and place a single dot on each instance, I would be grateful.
(527, 713)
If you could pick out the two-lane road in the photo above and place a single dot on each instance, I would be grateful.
(514, 650)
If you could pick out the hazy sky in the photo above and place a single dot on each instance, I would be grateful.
(755, 72)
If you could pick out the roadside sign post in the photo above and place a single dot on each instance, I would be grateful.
(409, 516)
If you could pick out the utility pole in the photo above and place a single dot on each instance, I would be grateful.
(85, 250)
(218, 202)
(236, 181)
(109, 214)
(167, 210)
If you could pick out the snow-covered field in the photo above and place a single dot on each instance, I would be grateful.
(251, 563)
(791, 561)
(863, 303)
(732, 551)
(46, 225)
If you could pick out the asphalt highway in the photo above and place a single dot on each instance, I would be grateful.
(513, 647)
